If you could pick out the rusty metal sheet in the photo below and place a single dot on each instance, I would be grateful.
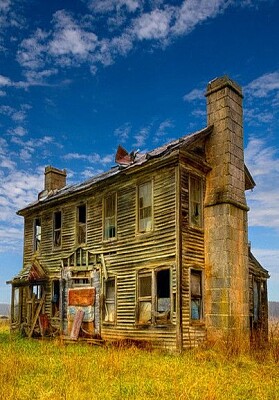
(81, 296)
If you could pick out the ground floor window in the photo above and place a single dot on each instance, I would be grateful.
(109, 314)
(154, 296)
(196, 295)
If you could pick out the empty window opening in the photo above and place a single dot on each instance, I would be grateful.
(145, 207)
(110, 303)
(57, 225)
(55, 298)
(163, 295)
(196, 295)
(145, 298)
(81, 224)
(195, 190)
(37, 234)
(110, 217)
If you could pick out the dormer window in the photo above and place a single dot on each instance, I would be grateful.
(81, 224)
(37, 234)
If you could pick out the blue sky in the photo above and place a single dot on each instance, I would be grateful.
(79, 77)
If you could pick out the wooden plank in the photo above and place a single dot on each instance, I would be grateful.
(40, 305)
(77, 324)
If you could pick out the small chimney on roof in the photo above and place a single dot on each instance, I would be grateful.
(54, 178)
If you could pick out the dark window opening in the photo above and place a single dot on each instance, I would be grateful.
(57, 225)
(37, 234)
(81, 224)
(55, 298)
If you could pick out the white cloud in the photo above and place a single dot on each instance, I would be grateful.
(5, 81)
(123, 132)
(18, 131)
(93, 158)
(2, 93)
(195, 94)
(104, 6)
(153, 25)
(141, 136)
(263, 86)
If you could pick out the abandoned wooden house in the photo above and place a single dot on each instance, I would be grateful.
(155, 249)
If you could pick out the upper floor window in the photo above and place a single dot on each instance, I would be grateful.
(145, 207)
(110, 216)
(196, 295)
(37, 234)
(154, 296)
(81, 224)
(57, 228)
(195, 200)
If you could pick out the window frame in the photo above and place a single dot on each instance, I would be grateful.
(193, 201)
(112, 300)
(156, 317)
(37, 242)
(195, 297)
(55, 230)
(139, 208)
(80, 225)
(106, 218)
(55, 303)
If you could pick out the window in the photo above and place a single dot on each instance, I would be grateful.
(196, 295)
(36, 291)
(110, 217)
(57, 225)
(195, 199)
(55, 298)
(154, 297)
(37, 234)
(145, 207)
(81, 224)
(109, 301)
(256, 300)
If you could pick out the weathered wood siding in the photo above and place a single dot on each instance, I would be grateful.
(192, 249)
(125, 255)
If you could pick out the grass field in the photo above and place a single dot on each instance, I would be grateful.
(51, 370)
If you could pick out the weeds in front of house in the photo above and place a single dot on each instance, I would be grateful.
(44, 370)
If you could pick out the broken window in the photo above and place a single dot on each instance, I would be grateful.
(154, 296)
(145, 207)
(109, 301)
(37, 234)
(55, 298)
(195, 200)
(81, 224)
(110, 217)
(196, 295)
(36, 291)
(57, 226)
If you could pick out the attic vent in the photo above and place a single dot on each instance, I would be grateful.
(122, 156)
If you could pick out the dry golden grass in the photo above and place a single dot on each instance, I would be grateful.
(51, 370)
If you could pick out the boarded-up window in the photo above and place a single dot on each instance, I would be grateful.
(57, 226)
(145, 207)
(110, 217)
(81, 224)
(110, 302)
(154, 297)
(195, 198)
(55, 298)
(196, 295)
(37, 234)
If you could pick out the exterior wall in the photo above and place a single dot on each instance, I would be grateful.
(125, 255)
(226, 251)
(192, 246)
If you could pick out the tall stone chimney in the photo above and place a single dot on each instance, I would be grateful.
(54, 178)
(225, 214)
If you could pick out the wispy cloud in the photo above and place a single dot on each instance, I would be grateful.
(141, 137)
(193, 95)
(93, 158)
(123, 132)
(264, 85)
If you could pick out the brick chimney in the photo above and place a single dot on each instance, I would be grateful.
(225, 214)
(54, 178)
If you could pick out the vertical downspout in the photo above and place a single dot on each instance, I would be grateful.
(61, 300)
